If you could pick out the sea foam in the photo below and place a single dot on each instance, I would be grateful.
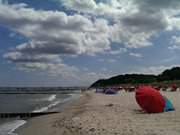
(46, 108)
(9, 127)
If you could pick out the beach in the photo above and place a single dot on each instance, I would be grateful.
(100, 114)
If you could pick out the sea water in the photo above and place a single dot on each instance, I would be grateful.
(8, 127)
(23, 103)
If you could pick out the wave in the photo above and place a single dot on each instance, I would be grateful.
(9, 127)
(49, 98)
(43, 109)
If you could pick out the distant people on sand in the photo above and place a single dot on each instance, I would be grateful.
(133, 88)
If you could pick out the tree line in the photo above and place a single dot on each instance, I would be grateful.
(167, 75)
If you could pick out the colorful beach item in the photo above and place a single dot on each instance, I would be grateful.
(110, 91)
(150, 100)
(168, 105)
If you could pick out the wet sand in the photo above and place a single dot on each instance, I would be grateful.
(99, 114)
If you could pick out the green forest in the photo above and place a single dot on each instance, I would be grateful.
(167, 75)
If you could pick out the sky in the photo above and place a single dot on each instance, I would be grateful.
(76, 42)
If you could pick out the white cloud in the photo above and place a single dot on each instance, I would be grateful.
(175, 43)
(52, 34)
(78, 34)
(138, 55)
(91, 29)
(131, 27)
(135, 22)
(129, 37)
(153, 69)
(53, 69)
(117, 51)
(52, 65)
(55, 32)
(103, 8)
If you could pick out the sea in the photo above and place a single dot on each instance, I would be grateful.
(36, 103)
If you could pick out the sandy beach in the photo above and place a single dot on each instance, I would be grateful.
(99, 114)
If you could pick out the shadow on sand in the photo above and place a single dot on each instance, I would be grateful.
(138, 111)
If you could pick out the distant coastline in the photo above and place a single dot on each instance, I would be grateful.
(40, 90)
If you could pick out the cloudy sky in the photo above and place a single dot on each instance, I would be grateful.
(76, 42)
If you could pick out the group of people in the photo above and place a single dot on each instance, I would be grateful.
(130, 88)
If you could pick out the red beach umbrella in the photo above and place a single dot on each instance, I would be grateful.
(150, 100)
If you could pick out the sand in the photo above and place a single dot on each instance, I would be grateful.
(99, 114)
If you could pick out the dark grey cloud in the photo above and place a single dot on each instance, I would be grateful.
(19, 57)
(158, 4)
(16, 18)
(53, 47)
(145, 21)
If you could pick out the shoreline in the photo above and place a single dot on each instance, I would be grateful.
(48, 121)
(100, 114)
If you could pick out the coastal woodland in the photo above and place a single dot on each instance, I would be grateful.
(167, 76)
